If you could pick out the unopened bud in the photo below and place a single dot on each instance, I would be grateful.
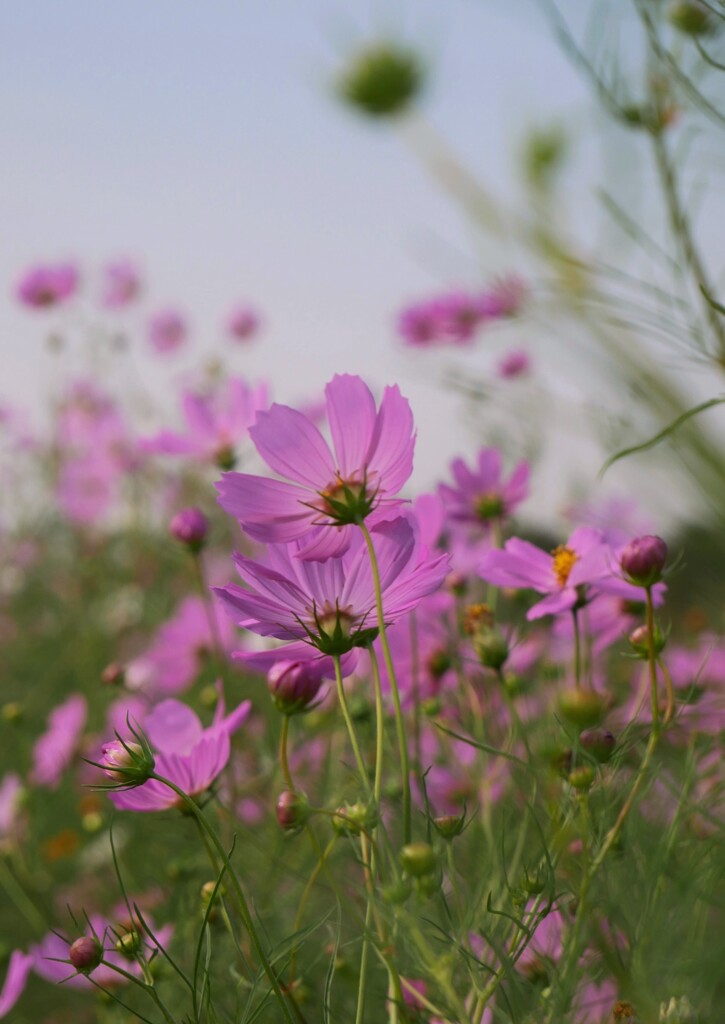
(418, 859)
(643, 560)
(581, 777)
(293, 686)
(128, 944)
(128, 764)
(190, 526)
(292, 810)
(599, 743)
(113, 674)
(492, 648)
(450, 825)
(86, 954)
(639, 641)
(382, 80)
(582, 708)
(352, 819)
(692, 17)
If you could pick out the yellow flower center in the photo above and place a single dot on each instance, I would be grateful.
(564, 559)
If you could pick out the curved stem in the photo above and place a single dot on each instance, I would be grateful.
(283, 759)
(244, 910)
(399, 721)
(350, 727)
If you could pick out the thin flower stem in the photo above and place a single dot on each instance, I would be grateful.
(577, 648)
(652, 659)
(399, 721)
(350, 727)
(269, 970)
(304, 899)
(283, 759)
(364, 955)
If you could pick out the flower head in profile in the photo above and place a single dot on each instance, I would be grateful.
(330, 605)
(568, 576)
(48, 285)
(182, 751)
(215, 423)
(370, 460)
(481, 495)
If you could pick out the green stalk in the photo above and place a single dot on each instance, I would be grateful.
(399, 721)
(350, 727)
(244, 910)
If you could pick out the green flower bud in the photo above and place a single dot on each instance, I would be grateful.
(418, 859)
(692, 18)
(582, 708)
(581, 777)
(382, 80)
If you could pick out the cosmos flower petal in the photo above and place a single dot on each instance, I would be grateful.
(272, 511)
(293, 447)
(352, 416)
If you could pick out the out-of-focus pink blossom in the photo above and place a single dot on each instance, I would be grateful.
(174, 659)
(121, 284)
(54, 750)
(481, 495)
(167, 331)
(242, 323)
(48, 285)
(216, 423)
(515, 363)
(10, 791)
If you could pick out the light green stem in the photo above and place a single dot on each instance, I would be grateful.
(399, 721)
(350, 727)
(244, 910)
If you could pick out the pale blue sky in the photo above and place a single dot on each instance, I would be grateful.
(203, 140)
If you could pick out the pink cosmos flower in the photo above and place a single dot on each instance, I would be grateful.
(48, 285)
(10, 790)
(503, 299)
(216, 423)
(121, 285)
(331, 605)
(54, 750)
(174, 659)
(16, 978)
(185, 753)
(481, 495)
(515, 363)
(594, 1002)
(242, 324)
(372, 459)
(167, 331)
(565, 575)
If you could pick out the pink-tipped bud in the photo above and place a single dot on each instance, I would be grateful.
(190, 526)
(243, 324)
(643, 560)
(293, 686)
(292, 810)
(86, 954)
(113, 674)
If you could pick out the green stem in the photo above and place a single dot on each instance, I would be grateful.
(652, 659)
(283, 759)
(399, 721)
(577, 648)
(350, 727)
(244, 910)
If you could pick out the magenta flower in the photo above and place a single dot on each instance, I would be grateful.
(54, 750)
(515, 363)
(565, 575)
(167, 331)
(481, 495)
(331, 605)
(243, 324)
(121, 285)
(174, 659)
(216, 424)
(48, 285)
(16, 979)
(372, 459)
(185, 753)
